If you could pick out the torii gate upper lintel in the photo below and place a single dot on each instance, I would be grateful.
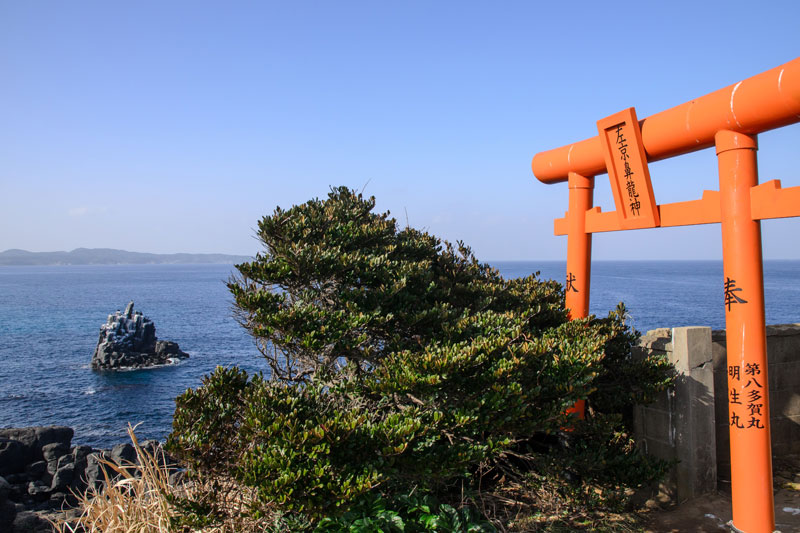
(728, 119)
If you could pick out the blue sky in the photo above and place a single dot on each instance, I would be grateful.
(175, 126)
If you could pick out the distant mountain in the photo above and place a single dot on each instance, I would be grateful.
(108, 256)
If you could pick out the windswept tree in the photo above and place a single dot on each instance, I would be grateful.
(341, 287)
(400, 363)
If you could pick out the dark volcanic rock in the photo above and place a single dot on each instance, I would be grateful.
(78, 458)
(20, 447)
(123, 454)
(63, 477)
(80, 453)
(36, 470)
(39, 491)
(13, 456)
(47, 474)
(5, 488)
(53, 452)
(168, 349)
(97, 472)
(28, 521)
(39, 436)
(7, 513)
(128, 340)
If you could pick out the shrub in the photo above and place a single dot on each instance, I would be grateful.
(406, 514)
(400, 363)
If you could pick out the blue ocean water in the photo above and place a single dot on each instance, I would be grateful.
(50, 319)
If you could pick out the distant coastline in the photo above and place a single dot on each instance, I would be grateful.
(109, 256)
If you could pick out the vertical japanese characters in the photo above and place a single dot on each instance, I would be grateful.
(746, 402)
(626, 163)
(750, 396)
(570, 286)
(730, 293)
(630, 185)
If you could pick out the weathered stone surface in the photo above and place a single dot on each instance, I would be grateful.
(8, 511)
(38, 490)
(94, 473)
(63, 477)
(50, 472)
(36, 470)
(78, 457)
(13, 456)
(167, 349)
(25, 436)
(81, 452)
(63, 461)
(19, 491)
(699, 403)
(29, 522)
(20, 447)
(128, 340)
(123, 454)
(5, 488)
(54, 451)
(15, 479)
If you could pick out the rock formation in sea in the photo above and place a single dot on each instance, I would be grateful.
(128, 340)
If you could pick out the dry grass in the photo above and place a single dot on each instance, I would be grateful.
(138, 498)
(134, 499)
(549, 503)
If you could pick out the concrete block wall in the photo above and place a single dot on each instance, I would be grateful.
(783, 358)
(653, 424)
(689, 423)
(680, 425)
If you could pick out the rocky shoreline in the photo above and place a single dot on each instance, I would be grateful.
(40, 471)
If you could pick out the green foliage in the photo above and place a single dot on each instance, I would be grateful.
(406, 514)
(400, 363)
(625, 380)
(340, 284)
(206, 421)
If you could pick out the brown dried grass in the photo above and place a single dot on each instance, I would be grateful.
(134, 499)
(138, 498)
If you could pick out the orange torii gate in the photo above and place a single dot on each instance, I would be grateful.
(728, 119)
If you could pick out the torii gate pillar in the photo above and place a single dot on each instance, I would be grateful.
(579, 256)
(579, 246)
(748, 399)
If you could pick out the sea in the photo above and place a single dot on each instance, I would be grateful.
(50, 319)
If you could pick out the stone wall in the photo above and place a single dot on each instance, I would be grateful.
(783, 356)
(689, 423)
(680, 425)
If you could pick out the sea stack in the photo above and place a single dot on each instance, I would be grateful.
(128, 340)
